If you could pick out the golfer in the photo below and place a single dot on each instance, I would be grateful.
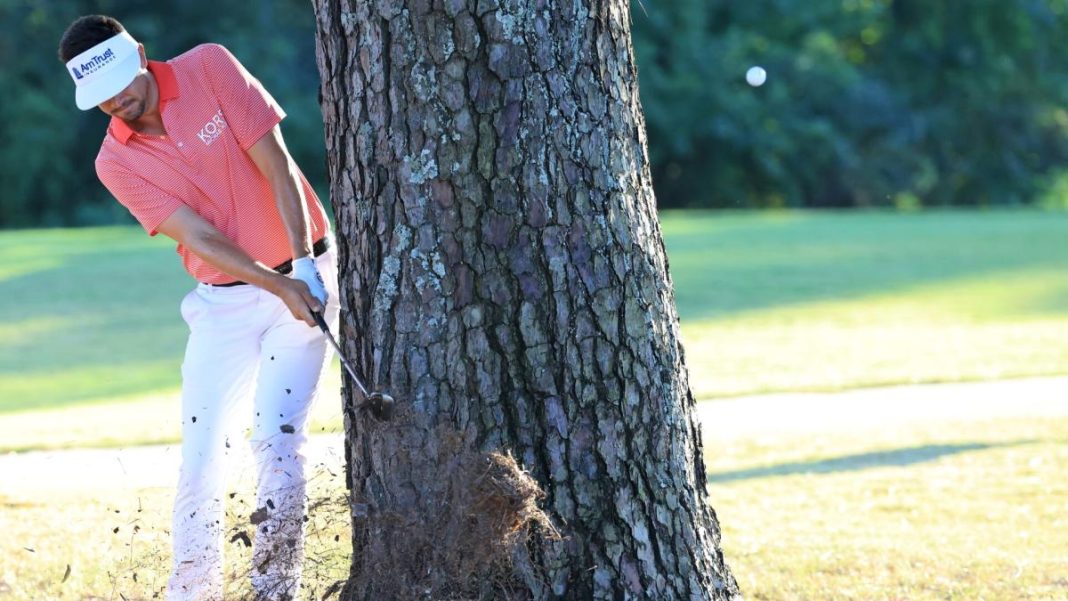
(194, 151)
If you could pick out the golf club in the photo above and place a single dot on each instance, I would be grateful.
(380, 403)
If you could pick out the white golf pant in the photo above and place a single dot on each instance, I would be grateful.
(244, 343)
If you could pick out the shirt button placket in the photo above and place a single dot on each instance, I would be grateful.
(187, 155)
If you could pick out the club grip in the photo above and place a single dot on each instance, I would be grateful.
(321, 321)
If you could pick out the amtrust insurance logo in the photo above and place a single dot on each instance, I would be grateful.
(212, 129)
(94, 64)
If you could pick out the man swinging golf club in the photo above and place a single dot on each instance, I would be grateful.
(194, 151)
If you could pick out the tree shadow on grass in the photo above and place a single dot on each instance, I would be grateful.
(862, 461)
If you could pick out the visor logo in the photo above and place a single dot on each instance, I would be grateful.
(77, 74)
(94, 63)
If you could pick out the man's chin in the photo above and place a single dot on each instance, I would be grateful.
(132, 113)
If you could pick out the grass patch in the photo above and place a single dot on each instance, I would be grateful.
(113, 542)
(828, 301)
(150, 419)
(768, 302)
(91, 340)
(952, 509)
(89, 315)
(958, 511)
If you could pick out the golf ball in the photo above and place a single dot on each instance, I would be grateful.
(756, 76)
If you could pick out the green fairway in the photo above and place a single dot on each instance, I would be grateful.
(768, 302)
(828, 301)
(88, 315)
(956, 507)
(91, 340)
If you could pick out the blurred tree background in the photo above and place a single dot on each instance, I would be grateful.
(47, 146)
(903, 103)
(868, 103)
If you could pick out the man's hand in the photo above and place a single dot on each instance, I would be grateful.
(298, 298)
(304, 270)
(192, 231)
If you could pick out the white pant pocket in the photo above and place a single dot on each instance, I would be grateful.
(189, 307)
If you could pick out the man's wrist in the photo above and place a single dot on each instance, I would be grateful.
(304, 250)
(305, 270)
(273, 282)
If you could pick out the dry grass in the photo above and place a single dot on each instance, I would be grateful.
(112, 541)
(108, 538)
(951, 509)
(460, 539)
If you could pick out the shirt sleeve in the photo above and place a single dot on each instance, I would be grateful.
(248, 108)
(147, 203)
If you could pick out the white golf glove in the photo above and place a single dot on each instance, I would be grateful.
(304, 270)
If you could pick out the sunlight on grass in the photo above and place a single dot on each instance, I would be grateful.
(953, 508)
(974, 521)
(830, 301)
(768, 301)
(26, 266)
(999, 326)
(114, 538)
(29, 331)
(111, 298)
(956, 509)
(146, 419)
(86, 384)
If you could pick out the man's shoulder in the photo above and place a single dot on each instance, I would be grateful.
(200, 55)
(115, 155)
(109, 157)
(201, 65)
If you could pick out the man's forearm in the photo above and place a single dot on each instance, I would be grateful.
(293, 209)
(221, 253)
(208, 243)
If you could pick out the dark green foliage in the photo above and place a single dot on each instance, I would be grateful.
(903, 103)
(868, 102)
(47, 146)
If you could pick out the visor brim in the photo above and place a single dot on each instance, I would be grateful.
(109, 84)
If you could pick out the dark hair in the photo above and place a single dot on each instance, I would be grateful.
(86, 32)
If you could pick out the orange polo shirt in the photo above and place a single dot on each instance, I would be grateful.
(213, 110)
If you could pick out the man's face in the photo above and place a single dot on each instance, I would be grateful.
(131, 102)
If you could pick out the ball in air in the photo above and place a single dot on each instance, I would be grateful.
(756, 76)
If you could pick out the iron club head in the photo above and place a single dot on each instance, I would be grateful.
(381, 405)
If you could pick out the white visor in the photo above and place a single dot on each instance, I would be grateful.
(104, 70)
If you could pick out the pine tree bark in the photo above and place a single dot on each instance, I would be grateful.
(504, 274)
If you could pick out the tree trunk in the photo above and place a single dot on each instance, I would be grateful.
(504, 277)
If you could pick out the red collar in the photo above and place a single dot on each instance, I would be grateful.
(168, 90)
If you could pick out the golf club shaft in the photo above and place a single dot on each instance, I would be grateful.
(344, 362)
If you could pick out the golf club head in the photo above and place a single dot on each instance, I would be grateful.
(381, 405)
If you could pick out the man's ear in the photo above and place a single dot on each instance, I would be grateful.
(141, 51)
